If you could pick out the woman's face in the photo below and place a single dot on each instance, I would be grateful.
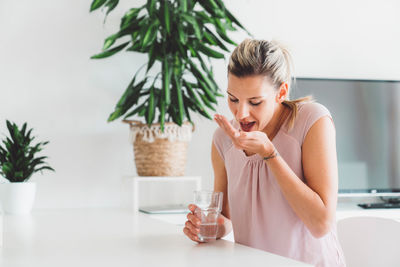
(252, 100)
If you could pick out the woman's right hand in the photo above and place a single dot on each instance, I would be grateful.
(192, 225)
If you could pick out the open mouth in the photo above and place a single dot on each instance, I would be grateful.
(246, 126)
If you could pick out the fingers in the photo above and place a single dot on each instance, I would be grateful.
(193, 219)
(192, 207)
(244, 142)
(191, 228)
(220, 220)
(243, 135)
(241, 140)
(226, 126)
(189, 234)
(219, 122)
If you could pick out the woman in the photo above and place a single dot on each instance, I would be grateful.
(275, 162)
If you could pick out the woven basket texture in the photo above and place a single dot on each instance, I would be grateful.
(160, 158)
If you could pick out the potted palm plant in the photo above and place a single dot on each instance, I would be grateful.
(18, 162)
(179, 37)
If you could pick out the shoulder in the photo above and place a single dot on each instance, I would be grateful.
(307, 114)
(311, 109)
(219, 136)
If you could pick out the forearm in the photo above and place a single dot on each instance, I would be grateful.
(305, 202)
(224, 228)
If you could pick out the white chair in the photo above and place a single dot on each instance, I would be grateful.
(370, 241)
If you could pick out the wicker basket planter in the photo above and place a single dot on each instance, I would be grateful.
(157, 153)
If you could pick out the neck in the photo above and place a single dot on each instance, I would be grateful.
(272, 128)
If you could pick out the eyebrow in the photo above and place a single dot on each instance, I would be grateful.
(254, 97)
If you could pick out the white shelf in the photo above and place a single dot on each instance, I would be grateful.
(138, 180)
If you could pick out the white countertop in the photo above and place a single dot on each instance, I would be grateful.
(346, 210)
(116, 237)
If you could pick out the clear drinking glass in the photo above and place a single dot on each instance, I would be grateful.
(209, 206)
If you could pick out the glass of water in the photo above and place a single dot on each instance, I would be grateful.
(209, 206)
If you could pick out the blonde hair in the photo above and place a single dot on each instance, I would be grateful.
(266, 58)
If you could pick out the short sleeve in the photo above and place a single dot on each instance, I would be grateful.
(310, 113)
(221, 142)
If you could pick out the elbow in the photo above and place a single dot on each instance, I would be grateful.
(321, 228)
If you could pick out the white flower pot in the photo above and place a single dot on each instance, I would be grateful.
(17, 198)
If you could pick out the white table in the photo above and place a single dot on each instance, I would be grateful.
(116, 237)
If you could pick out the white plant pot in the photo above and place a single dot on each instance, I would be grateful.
(17, 198)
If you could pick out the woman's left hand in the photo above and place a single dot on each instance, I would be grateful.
(253, 142)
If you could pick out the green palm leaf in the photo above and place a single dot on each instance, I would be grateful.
(110, 52)
(181, 36)
(97, 4)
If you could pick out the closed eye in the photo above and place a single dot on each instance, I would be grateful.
(251, 103)
(255, 104)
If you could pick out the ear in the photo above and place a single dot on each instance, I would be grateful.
(282, 93)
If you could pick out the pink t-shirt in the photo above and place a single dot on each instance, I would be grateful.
(261, 216)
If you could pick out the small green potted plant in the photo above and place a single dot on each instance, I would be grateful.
(18, 162)
(179, 37)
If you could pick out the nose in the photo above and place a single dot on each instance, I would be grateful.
(243, 111)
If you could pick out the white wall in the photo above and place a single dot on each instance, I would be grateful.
(48, 80)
